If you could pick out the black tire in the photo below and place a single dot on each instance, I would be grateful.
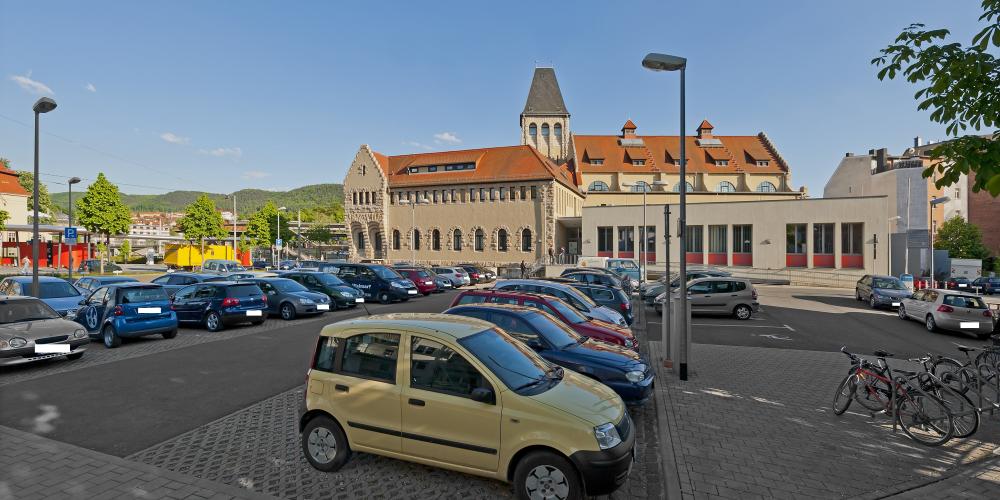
(963, 411)
(930, 324)
(287, 311)
(857, 295)
(170, 334)
(213, 322)
(110, 337)
(844, 395)
(873, 395)
(871, 302)
(320, 431)
(951, 373)
(925, 419)
(552, 473)
(75, 355)
(257, 322)
(743, 312)
(902, 312)
(384, 298)
(427, 294)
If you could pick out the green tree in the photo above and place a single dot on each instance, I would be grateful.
(258, 232)
(45, 207)
(961, 87)
(961, 239)
(202, 222)
(4, 216)
(102, 211)
(126, 251)
(319, 234)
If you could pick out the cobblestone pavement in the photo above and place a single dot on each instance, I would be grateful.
(756, 422)
(982, 481)
(33, 467)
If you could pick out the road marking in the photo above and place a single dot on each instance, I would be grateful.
(774, 337)
(782, 327)
(790, 328)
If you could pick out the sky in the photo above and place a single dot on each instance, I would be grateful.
(224, 95)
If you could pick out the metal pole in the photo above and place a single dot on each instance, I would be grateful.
(642, 254)
(888, 245)
(279, 237)
(906, 251)
(71, 225)
(682, 229)
(930, 230)
(234, 225)
(413, 233)
(34, 222)
(664, 327)
(300, 235)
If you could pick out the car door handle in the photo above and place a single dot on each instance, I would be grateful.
(417, 402)
(342, 388)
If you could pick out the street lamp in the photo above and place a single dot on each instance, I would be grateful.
(645, 187)
(934, 202)
(665, 62)
(233, 196)
(43, 105)
(71, 181)
(278, 238)
(413, 225)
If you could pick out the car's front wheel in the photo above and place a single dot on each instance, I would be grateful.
(287, 311)
(902, 312)
(325, 445)
(743, 312)
(871, 302)
(384, 298)
(546, 475)
(930, 324)
(111, 339)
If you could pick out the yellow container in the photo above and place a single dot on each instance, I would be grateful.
(186, 256)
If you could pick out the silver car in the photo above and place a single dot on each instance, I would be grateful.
(720, 295)
(949, 310)
(456, 275)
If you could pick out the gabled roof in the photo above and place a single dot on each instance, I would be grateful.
(629, 125)
(544, 97)
(704, 125)
(9, 183)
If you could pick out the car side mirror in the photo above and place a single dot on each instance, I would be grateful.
(82, 302)
(484, 395)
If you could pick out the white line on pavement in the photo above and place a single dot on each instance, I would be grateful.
(790, 328)
(782, 327)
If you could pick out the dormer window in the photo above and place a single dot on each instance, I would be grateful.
(414, 170)
(638, 163)
(597, 161)
(432, 169)
(763, 163)
(677, 163)
(721, 163)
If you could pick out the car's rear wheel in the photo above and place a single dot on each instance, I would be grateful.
(213, 322)
(325, 445)
(743, 312)
(546, 475)
(257, 322)
(287, 311)
(930, 324)
(384, 298)
(170, 334)
(111, 339)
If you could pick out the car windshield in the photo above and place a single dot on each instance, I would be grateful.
(423, 274)
(15, 311)
(571, 315)
(385, 273)
(144, 294)
(555, 332)
(288, 286)
(329, 279)
(55, 290)
(888, 284)
(964, 301)
(581, 297)
(516, 364)
(232, 268)
(625, 264)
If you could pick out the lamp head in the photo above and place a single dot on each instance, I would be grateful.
(938, 201)
(282, 208)
(74, 180)
(44, 105)
(663, 62)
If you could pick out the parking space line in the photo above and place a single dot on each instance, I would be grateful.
(782, 327)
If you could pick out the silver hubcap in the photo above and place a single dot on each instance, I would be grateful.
(930, 323)
(545, 482)
(322, 445)
(743, 313)
(902, 312)
(286, 312)
(213, 321)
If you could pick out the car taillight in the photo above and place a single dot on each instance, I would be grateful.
(945, 309)
(230, 301)
(626, 306)
(119, 311)
(988, 313)
(475, 275)
(264, 298)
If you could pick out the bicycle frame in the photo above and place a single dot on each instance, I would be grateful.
(977, 378)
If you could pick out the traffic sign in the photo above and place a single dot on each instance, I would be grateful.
(69, 235)
(277, 242)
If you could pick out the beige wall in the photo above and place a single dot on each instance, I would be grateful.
(768, 218)
(556, 148)
(16, 207)
(705, 186)
(366, 217)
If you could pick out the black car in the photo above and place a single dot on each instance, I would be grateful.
(218, 304)
(595, 278)
(623, 370)
(986, 285)
(610, 297)
(172, 282)
(378, 282)
(94, 266)
(340, 293)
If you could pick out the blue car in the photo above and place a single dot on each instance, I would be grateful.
(88, 284)
(378, 282)
(56, 292)
(623, 370)
(127, 310)
(217, 304)
(881, 291)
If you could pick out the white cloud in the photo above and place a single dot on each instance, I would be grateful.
(416, 144)
(236, 153)
(173, 138)
(33, 86)
(91, 87)
(255, 174)
(447, 138)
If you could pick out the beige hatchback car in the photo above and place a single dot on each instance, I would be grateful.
(949, 310)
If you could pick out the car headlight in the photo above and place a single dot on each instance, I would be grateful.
(607, 436)
(346, 294)
(79, 334)
(305, 301)
(637, 375)
(71, 314)
(17, 343)
(396, 284)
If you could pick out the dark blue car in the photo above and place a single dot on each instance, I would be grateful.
(218, 304)
(623, 370)
(175, 281)
(377, 282)
(127, 310)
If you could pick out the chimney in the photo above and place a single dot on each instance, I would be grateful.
(916, 141)
(848, 154)
(705, 130)
(628, 130)
(882, 159)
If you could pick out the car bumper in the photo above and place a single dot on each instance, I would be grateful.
(882, 301)
(305, 309)
(241, 316)
(633, 394)
(983, 326)
(145, 327)
(605, 471)
(24, 355)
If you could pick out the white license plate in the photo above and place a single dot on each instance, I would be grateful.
(895, 304)
(254, 313)
(323, 307)
(51, 348)
(150, 310)
(962, 285)
(411, 292)
(359, 300)
(969, 324)
(428, 282)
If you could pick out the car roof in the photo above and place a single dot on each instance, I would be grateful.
(110, 278)
(951, 292)
(883, 276)
(133, 284)
(430, 324)
(718, 278)
(509, 307)
(18, 297)
(491, 291)
(27, 279)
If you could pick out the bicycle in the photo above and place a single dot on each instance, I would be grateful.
(922, 416)
(964, 413)
(977, 375)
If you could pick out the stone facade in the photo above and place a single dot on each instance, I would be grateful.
(555, 144)
(365, 206)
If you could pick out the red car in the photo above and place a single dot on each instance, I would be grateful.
(596, 329)
(421, 278)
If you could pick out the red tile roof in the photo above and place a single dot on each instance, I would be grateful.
(629, 126)
(705, 124)
(9, 183)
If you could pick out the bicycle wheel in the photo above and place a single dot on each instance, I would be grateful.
(989, 357)
(845, 393)
(950, 372)
(924, 418)
(872, 393)
(963, 411)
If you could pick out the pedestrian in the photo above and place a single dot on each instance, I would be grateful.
(25, 265)
(524, 269)
(562, 255)
(552, 257)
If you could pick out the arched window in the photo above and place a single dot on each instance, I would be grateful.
(533, 130)
(480, 240)
(641, 186)
(416, 239)
(598, 186)
(457, 240)
(545, 130)
(361, 241)
(688, 188)
(726, 187)
(502, 240)
(377, 240)
(766, 187)
(557, 130)
(435, 240)
(395, 239)
(526, 240)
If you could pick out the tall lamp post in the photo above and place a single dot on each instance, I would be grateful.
(279, 237)
(71, 181)
(43, 105)
(664, 62)
(930, 220)
(233, 196)
(413, 225)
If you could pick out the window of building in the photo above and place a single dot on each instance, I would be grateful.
(513, 193)
(437, 368)
(448, 168)
(545, 130)
(502, 240)
(823, 238)
(695, 241)
(721, 163)
(533, 130)
(641, 186)
(763, 163)
(472, 194)
(650, 240)
(717, 239)
(456, 243)
(354, 198)
(557, 130)
(435, 196)
(638, 163)
(503, 193)
(526, 240)
(958, 193)
(605, 239)
(766, 187)
(432, 169)
(414, 170)
(371, 355)
(454, 198)
(395, 239)
(480, 240)
(626, 239)
(524, 193)
(742, 238)
(416, 239)
(795, 238)
(493, 194)
(482, 194)
(360, 241)
(726, 187)
(534, 192)
(597, 161)
(598, 186)
(688, 187)
(435, 240)
(852, 238)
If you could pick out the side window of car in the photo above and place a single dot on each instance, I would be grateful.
(97, 298)
(184, 293)
(371, 355)
(739, 286)
(162, 280)
(931, 297)
(438, 368)
(205, 292)
(326, 354)
(471, 299)
(603, 295)
(699, 288)
(722, 286)
(347, 271)
(311, 281)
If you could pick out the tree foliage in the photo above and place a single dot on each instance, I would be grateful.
(319, 234)
(101, 210)
(45, 207)
(258, 231)
(961, 87)
(126, 250)
(202, 221)
(961, 239)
